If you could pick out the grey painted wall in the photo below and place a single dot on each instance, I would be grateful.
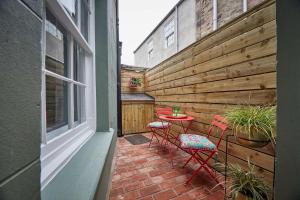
(20, 89)
(288, 94)
(106, 65)
(112, 63)
(186, 33)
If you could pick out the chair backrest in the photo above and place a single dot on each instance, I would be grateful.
(219, 124)
(163, 111)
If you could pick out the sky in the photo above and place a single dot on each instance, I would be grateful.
(137, 19)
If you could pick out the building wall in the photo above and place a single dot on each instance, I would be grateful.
(186, 24)
(186, 35)
(20, 88)
(204, 12)
(106, 65)
(227, 10)
(112, 63)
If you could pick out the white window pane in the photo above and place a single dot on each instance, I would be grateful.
(56, 103)
(85, 19)
(56, 46)
(69, 5)
(79, 104)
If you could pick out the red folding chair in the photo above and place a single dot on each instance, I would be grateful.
(196, 144)
(159, 127)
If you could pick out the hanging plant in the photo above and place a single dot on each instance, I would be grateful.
(253, 125)
(135, 82)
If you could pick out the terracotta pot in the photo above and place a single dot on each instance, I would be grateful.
(132, 85)
(255, 139)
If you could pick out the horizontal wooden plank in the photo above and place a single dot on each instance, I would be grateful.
(251, 97)
(262, 81)
(252, 67)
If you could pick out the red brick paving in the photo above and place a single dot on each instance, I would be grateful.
(146, 174)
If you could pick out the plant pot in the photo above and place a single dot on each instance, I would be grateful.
(255, 139)
(132, 85)
(241, 196)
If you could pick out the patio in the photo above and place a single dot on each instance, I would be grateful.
(146, 173)
(227, 70)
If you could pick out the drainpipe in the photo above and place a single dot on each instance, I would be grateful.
(245, 6)
(177, 34)
(215, 15)
(119, 102)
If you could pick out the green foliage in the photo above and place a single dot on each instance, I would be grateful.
(176, 110)
(246, 182)
(136, 81)
(254, 119)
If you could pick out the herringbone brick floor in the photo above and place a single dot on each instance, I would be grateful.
(146, 174)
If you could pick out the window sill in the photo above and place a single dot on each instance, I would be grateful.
(80, 178)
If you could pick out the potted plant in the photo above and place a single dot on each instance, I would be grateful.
(135, 82)
(246, 184)
(253, 126)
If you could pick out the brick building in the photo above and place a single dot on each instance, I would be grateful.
(187, 22)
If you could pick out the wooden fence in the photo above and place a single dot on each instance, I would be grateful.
(126, 74)
(232, 66)
(136, 113)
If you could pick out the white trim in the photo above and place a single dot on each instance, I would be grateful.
(54, 75)
(215, 14)
(58, 152)
(43, 88)
(65, 19)
(245, 6)
(71, 84)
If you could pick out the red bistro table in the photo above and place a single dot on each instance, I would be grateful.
(172, 119)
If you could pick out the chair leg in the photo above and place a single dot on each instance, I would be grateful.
(203, 164)
(151, 139)
(192, 156)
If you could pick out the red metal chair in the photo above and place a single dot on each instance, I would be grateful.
(196, 144)
(159, 125)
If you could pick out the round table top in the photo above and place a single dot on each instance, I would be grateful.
(170, 118)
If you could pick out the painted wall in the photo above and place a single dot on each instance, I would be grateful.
(112, 63)
(106, 65)
(20, 89)
(186, 35)
(287, 147)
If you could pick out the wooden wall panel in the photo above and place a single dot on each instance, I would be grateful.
(232, 66)
(136, 116)
(125, 77)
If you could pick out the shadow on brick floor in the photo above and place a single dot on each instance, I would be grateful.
(146, 174)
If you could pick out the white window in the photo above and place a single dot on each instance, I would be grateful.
(64, 80)
(68, 109)
(150, 50)
(169, 33)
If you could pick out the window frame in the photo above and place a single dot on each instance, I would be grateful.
(150, 49)
(57, 151)
(168, 34)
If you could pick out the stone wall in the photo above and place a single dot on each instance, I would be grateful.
(204, 13)
(20, 89)
(227, 10)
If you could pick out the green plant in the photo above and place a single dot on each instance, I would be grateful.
(247, 182)
(254, 120)
(176, 110)
(136, 81)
